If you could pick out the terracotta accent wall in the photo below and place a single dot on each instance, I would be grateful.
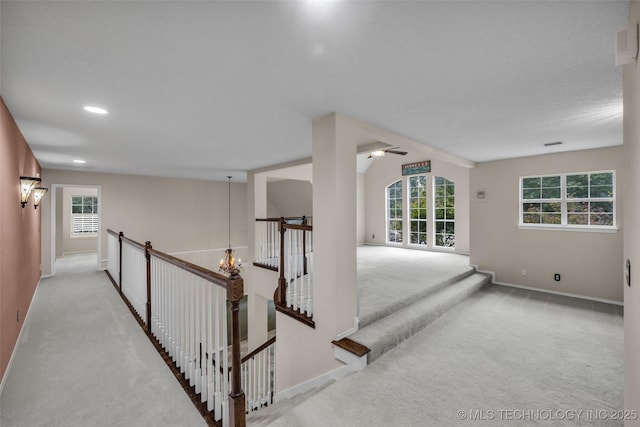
(19, 235)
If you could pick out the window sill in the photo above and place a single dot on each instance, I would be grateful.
(587, 229)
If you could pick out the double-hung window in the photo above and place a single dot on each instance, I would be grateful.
(418, 209)
(576, 200)
(84, 216)
(394, 212)
(444, 208)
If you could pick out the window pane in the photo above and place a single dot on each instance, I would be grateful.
(414, 238)
(531, 218)
(439, 213)
(439, 240)
(439, 191)
(451, 189)
(439, 180)
(422, 226)
(577, 180)
(551, 181)
(423, 214)
(598, 207)
(531, 193)
(530, 207)
(76, 209)
(531, 182)
(450, 202)
(601, 219)
(414, 226)
(551, 193)
(450, 213)
(439, 202)
(578, 207)
(601, 179)
(76, 200)
(577, 192)
(601, 191)
(551, 207)
(450, 227)
(551, 218)
(578, 219)
(439, 227)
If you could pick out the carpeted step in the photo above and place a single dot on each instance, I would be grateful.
(431, 288)
(386, 333)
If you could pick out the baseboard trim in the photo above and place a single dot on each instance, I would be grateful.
(546, 291)
(316, 382)
(356, 323)
(18, 340)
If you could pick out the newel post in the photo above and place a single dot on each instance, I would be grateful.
(237, 407)
(304, 246)
(281, 293)
(120, 236)
(147, 255)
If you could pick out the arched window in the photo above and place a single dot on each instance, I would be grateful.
(394, 212)
(418, 209)
(444, 209)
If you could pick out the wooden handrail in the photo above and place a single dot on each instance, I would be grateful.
(133, 243)
(259, 349)
(234, 286)
(288, 218)
(208, 275)
(298, 227)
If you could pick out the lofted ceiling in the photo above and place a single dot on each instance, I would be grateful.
(206, 89)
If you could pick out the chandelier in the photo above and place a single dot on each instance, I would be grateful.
(228, 264)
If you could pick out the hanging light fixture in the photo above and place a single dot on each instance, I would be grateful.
(228, 264)
(38, 193)
(27, 184)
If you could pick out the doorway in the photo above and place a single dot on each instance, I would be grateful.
(75, 224)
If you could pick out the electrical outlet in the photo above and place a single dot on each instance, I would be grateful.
(373, 236)
(556, 277)
(523, 272)
(18, 316)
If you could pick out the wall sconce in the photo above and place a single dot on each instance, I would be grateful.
(38, 193)
(27, 185)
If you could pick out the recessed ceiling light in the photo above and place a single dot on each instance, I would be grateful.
(79, 161)
(95, 110)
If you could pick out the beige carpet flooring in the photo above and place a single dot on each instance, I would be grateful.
(84, 361)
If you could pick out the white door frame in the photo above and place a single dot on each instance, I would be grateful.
(54, 188)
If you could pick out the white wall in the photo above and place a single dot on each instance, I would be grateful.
(174, 214)
(588, 262)
(387, 170)
(632, 229)
(361, 220)
(289, 198)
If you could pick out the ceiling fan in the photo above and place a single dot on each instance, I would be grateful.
(381, 153)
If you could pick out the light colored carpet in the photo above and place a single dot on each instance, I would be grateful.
(84, 361)
(390, 278)
(504, 356)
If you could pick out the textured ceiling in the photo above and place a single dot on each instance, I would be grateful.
(208, 89)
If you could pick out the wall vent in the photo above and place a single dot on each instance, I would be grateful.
(627, 45)
(550, 144)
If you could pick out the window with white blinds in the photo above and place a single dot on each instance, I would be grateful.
(84, 215)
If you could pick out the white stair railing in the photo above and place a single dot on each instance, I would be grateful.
(267, 242)
(113, 251)
(298, 266)
(190, 322)
(134, 276)
(258, 376)
(183, 309)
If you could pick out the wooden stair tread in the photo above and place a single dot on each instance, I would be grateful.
(351, 346)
